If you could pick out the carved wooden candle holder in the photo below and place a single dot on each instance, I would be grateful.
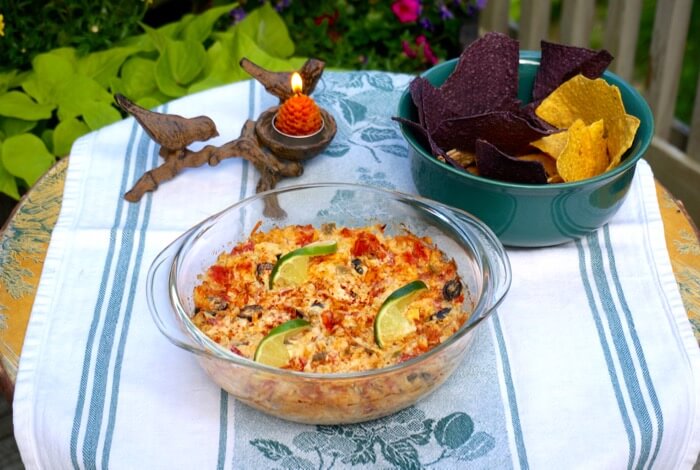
(274, 154)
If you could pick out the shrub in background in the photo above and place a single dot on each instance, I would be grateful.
(67, 93)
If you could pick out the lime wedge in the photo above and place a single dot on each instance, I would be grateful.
(291, 269)
(272, 351)
(391, 323)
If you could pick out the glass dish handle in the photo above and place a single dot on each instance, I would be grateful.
(157, 295)
(498, 269)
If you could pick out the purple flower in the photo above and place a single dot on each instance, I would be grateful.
(445, 12)
(237, 14)
(425, 24)
(282, 4)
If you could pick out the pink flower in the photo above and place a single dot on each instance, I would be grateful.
(428, 53)
(407, 11)
(408, 50)
(423, 46)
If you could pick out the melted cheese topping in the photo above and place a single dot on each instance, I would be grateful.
(343, 293)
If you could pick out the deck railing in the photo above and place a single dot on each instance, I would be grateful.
(675, 151)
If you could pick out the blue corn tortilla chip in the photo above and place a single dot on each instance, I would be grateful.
(510, 132)
(560, 62)
(492, 163)
(424, 135)
(485, 78)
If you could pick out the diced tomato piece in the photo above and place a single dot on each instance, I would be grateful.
(305, 234)
(368, 244)
(235, 350)
(329, 320)
(419, 251)
(220, 275)
(243, 247)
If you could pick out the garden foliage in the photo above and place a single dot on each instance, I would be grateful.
(68, 93)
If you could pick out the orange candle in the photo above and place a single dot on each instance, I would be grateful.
(299, 115)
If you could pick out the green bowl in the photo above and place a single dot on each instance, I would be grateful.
(529, 215)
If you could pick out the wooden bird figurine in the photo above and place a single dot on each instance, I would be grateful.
(279, 83)
(174, 133)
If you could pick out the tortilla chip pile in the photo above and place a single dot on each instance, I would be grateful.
(575, 128)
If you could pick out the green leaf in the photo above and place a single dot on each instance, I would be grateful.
(200, 27)
(47, 139)
(25, 156)
(268, 30)
(159, 37)
(76, 97)
(52, 71)
(179, 65)
(18, 105)
(243, 45)
(6, 78)
(185, 59)
(138, 77)
(149, 102)
(12, 126)
(103, 65)
(402, 455)
(66, 133)
(8, 183)
(98, 115)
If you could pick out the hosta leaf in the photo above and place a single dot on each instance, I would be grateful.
(165, 81)
(18, 105)
(76, 97)
(8, 183)
(25, 156)
(185, 59)
(47, 139)
(375, 134)
(200, 28)
(52, 71)
(268, 30)
(152, 101)
(138, 77)
(6, 78)
(179, 64)
(243, 46)
(102, 66)
(12, 126)
(159, 37)
(98, 115)
(65, 134)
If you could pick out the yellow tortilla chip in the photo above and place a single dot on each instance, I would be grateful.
(550, 166)
(620, 135)
(590, 101)
(553, 145)
(581, 98)
(585, 154)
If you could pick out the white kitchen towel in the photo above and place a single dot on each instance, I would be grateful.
(589, 363)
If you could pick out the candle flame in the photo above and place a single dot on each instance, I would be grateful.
(297, 84)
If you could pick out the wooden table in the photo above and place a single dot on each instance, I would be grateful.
(25, 239)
